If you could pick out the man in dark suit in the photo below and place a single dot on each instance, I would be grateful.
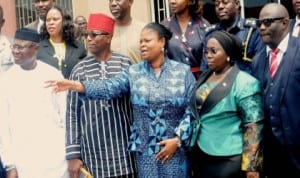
(295, 23)
(279, 74)
(41, 8)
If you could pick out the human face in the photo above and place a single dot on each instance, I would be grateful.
(81, 24)
(178, 6)
(42, 6)
(23, 51)
(120, 8)
(54, 23)
(227, 9)
(151, 45)
(216, 56)
(98, 41)
(273, 32)
(296, 6)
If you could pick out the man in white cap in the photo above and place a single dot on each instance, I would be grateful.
(32, 118)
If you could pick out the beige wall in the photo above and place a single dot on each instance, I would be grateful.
(10, 19)
(140, 9)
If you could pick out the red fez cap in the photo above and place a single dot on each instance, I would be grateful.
(101, 22)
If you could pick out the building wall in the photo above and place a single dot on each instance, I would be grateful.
(10, 19)
(139, 10)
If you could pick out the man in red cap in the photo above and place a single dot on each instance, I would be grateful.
(98, 130)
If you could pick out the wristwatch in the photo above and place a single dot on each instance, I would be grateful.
(178, 141)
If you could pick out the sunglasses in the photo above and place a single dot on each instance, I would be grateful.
(267, 22)
(95, 34)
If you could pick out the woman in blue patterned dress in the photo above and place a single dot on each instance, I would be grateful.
(160, 90)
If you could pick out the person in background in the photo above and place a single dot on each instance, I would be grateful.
(101, 143)
(277, 68)
(295, 23)
(6, 58)
(6, 61)
(228, 12)
(187, 26)
(127, 30)
(227, 105)
(159, 90)
(32, 133)
(58, 47)
(41, 7)
(80, 29)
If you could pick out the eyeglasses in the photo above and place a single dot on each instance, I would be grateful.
(267, 22)
(21, 48)
(95, 34)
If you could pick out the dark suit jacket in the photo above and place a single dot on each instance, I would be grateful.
(292, 23)
(74, 53)
(288, 96)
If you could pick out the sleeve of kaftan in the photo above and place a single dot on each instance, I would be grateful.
(73, 129)
(184, 129)
(59, 102)
(250, 108)
(109, 88)
(6, 141)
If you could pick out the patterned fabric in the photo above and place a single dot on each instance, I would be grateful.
(98, 130)
(203, 91)
(159, 111)
(186, 47)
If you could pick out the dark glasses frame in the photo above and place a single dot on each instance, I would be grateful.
(267, 22)
(95, 34)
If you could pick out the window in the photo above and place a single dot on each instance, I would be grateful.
(25, 11)
(159, 9)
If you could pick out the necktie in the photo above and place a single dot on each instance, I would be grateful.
(273, 62)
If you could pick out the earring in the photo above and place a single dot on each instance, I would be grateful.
(163, 50)
(228, 59)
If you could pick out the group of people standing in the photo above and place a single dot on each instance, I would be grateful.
(180, 98)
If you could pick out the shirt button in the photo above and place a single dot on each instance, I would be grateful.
(271, 95)
(271, 107)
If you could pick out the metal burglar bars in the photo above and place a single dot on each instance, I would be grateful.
(159, 10)
(25, 11)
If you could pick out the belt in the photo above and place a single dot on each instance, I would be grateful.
(195, 69)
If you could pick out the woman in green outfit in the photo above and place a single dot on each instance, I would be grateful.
(227, 105)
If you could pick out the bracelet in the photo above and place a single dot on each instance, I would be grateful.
(178, 142)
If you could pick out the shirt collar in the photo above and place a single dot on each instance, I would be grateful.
(297, 20)
(282, 45)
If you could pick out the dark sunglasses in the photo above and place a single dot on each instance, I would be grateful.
(267, 22)
(95, 34)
